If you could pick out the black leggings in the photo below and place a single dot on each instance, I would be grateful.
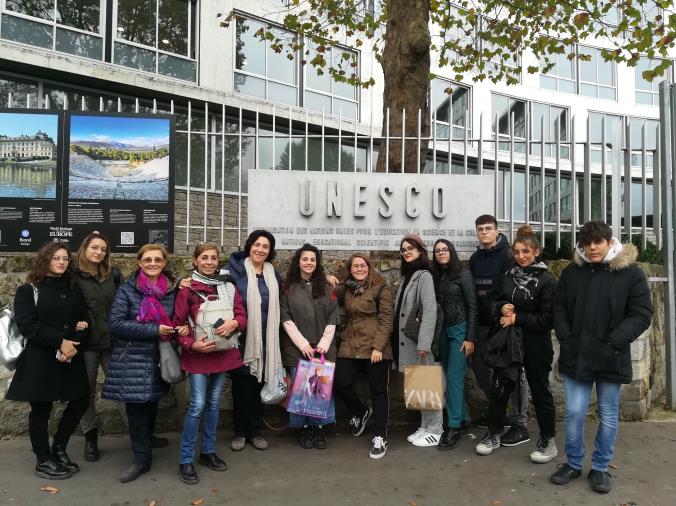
(38, 423)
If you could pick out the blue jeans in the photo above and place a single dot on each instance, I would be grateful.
(205, 396)
(297, 421)
(578, 394)
(454, 363)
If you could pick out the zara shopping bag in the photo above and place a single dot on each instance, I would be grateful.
(311, 391)
(424, 387)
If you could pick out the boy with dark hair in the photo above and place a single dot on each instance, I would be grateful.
(602, 305)
(488, 265)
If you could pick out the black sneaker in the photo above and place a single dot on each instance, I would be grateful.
(358, 423)
(449, 439)
(212, 461)
(379, 448)
(305, 438)
(564, 475)
(318, 437)
(600, 481)
(515, 436)
(52, 470)
(187, 474)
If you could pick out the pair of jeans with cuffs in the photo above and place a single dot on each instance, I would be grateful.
(205, 398)
(578, 394)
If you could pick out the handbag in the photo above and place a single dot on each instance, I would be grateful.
(170, 363)
(274, 391)
(424, 387)
(412, 326)
(312, 388)
(12, 342)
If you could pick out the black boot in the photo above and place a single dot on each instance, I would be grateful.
(449, 439)
(187, 474)
(134, 471)
(91, 449)
(59, 455)
(50, 469)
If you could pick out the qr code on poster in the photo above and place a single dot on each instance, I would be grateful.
(127, 238)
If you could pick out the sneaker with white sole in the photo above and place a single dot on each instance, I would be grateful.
(358, 423)
(427, 439)
(544, 451)
(489, 443)
(412, 437)
(379, 448)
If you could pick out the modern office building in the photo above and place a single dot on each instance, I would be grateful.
(241, 105)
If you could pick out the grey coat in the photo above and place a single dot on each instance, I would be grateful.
(420, 289)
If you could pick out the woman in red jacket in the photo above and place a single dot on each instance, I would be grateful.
(213, 308)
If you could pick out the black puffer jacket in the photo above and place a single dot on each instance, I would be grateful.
(533, 303)
(600, 309)
(457, 298)
(487, 267)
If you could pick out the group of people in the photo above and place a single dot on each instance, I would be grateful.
(497, 315)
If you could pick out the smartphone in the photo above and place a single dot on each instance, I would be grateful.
(219, 322)
(58, 356)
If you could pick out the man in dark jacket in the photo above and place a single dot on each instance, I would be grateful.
(488, 265)
(602, 305)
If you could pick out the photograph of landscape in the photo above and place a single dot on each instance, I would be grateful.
(118, 158)
(28, 155)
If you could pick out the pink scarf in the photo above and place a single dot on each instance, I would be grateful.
(151, 309)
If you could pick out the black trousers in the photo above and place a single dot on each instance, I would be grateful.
(378, 375)
(538, 355)
(246, 403)
(141, 417)
(38, 423)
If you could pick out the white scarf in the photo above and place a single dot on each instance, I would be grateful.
(253, 351)
(615, 249)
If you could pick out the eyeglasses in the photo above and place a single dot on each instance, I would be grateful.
(57, 258)
(407, 249)
(156, 260)
(441, 251)
(484, 230)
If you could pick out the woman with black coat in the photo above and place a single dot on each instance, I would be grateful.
(50, 314)
(141, 313)
(526, 301)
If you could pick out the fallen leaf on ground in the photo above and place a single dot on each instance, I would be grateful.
(412, 502)
(614, 467)
(152, 503)
(496, 503)
(197, 502)
(214, 491)
(51, 490)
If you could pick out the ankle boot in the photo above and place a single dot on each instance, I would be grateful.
(59, 455)
(91, 449)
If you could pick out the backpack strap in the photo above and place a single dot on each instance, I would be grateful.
(378, 294)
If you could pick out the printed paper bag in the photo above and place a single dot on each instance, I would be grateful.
(424, 387)
(311, 391)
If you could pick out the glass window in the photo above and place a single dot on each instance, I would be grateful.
(78, 25)
(647, 92)
(636, 129)
(322, 92)
(553, 119)
(24, 93)
(613, 135)
(453, 108)
(157, 36)
(597, 76)
(504, 111)
(562, 76)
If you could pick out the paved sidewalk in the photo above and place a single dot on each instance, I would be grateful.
(645, 473)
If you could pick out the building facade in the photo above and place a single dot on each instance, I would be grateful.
(241, 106)
(27, 147)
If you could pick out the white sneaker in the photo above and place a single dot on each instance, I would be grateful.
(427, 439)
(545, 451)
(489, 443)
(412, 437)
(379, 448)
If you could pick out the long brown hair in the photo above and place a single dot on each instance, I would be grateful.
(103, 269)
(40, 265)
(373, 278)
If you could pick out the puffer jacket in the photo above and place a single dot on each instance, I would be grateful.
(98, 296)
(457, 298)
(600, 309)
(134, 371)
(367, 329)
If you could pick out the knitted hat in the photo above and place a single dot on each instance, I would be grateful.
(415, 240)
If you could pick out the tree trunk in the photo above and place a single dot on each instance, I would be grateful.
(406, 69)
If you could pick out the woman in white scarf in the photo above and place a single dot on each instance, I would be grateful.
(258, 284)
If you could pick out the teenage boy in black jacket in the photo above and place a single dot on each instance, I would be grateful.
(488, 265)
(602, 305)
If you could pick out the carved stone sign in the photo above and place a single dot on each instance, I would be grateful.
(359, 211)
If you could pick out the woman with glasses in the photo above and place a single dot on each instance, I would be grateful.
(98, 280)
(140, 315)
(50, 314)
(456, 295)
(417, 290)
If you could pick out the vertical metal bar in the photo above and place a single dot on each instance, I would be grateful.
(136, 105)
(370, 167)
(481, 144)
(666, 158)
(119, 104)
(307, 140)
(627, 180)
(587, 191)
(187, 197)
(573, 185)
(155, 111)
(527, 175)
(403, 139)
(434, 141)
(557, 202)
(239, 180)
(83, 103)
(340, 138)
(65, 101)
(356, 124)
(511, 177)
(206, 169)
(496, 182)
(290, 137)
(464, 151)
(644, 192)
(543, 177)
(9, 100)
(101, 104)
(323, 137)
(604, 171)
(274, 138)
(616, 184)
(222, 175)
(417, 156)
(387, 141)
(657, 191)
(258, 140)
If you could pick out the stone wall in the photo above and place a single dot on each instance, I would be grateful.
(648, 356)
